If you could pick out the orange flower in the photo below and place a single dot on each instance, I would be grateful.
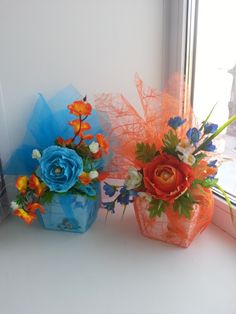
(102, 143)
(79, 108)
(35, 206)
(167, 178)
(102, 176)
(202, 170)
(84, 178)
(87, 137)
(27, 217)
(97, 155)
(21, 184)
(63, 142)
(80, 126)
(36, 185)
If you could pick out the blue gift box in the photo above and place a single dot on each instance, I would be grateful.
(70, 212)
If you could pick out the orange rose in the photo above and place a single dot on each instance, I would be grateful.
(167, 178)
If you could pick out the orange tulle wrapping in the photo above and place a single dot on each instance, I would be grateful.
(172, 228)
(126, 127)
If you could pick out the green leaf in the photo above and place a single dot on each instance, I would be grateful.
(145, 152)
(227, 201)
(157, 207)
(184, 205)
(207, 118)
(170, 141)
(47, 197)
(206, 183)
(199, 157)
(21, 200)
(83, 150)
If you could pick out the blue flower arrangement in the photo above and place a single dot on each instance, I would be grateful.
(66, 171)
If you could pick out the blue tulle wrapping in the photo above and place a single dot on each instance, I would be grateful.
(48, 121)
(69, 212)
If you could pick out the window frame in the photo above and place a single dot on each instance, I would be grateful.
(180, 22)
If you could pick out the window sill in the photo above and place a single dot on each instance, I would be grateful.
(222, 217)
(114, 269)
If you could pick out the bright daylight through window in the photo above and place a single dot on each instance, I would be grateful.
(215, 79)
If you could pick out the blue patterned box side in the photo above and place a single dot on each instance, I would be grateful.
(70, 212)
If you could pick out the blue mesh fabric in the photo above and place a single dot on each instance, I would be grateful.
(48, 121)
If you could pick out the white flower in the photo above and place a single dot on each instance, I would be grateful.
(94, 147)
(146, 196)
(185, 150)
(184, 147)
(133, 180)
(189, 159)
(36, 154)
(93, 174)
(14, 205)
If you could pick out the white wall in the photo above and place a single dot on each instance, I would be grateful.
(95, 45)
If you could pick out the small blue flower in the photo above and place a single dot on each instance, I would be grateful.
(210, 128)
(110, 190)
(212, 163)
(126, 196)
(193, 135)
(109, 206)
(175, 122)
(212, 176)
(209, 147)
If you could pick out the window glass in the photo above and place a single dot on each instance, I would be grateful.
(215, 79)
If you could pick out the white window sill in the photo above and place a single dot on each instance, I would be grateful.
(112, 269)
(222, 217)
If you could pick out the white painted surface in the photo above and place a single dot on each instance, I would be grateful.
(112, 269)
(222, 217)
(95, 45)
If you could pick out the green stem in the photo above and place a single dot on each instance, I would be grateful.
(123, 213)
(77, 133)
(227, 201)
(218, 131)
(207, 118)
(106, 216)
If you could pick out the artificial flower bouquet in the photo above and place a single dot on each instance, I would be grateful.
(171, 176)
(63, 190)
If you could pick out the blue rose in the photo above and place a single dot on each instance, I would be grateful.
(176, 122)
(59, 168)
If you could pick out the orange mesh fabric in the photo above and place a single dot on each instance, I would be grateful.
(172, 228)
(126, 127)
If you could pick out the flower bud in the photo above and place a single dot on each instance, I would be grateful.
(94, 147)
